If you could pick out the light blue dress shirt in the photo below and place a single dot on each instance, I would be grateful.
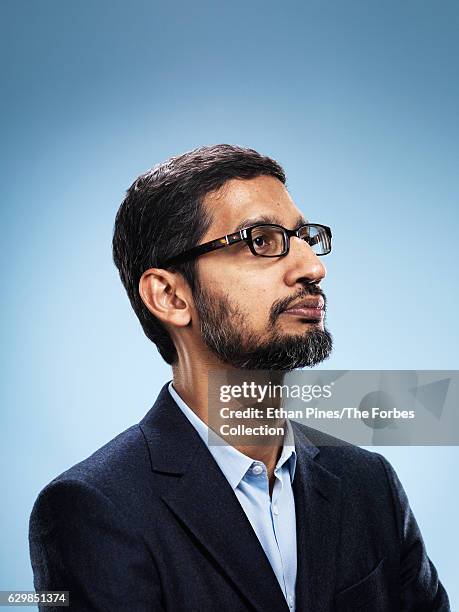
(272, 518)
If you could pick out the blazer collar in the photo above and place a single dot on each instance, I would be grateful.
(213, 514)
(317, 493)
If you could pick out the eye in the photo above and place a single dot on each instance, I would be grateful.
(264, 243)
(261, 241)
(268, 241)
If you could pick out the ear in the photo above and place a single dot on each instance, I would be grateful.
(166, 295)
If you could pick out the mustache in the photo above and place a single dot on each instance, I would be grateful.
(280, 305)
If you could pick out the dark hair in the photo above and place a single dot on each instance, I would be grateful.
(163, 214)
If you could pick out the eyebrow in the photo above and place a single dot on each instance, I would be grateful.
(266, 219)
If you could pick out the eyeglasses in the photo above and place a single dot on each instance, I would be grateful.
(263, 240)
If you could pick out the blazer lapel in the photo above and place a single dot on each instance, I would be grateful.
(317, 505)
(205, 503)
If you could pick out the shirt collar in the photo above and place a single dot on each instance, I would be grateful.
(232, 462)
(288, 450)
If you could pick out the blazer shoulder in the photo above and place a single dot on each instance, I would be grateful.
(121, 461)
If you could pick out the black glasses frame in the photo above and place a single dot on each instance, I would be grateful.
(246, 235)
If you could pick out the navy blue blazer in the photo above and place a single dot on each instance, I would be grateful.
(150, 523)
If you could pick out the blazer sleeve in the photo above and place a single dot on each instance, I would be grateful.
(80, 542)
(421, 588)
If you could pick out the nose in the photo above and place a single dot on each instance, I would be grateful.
(302, 264)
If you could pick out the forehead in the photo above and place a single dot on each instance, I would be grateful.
(242, 202)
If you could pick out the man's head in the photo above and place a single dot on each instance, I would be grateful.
(227, 304)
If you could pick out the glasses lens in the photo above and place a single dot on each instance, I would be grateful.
(268, 241)
(318, 238)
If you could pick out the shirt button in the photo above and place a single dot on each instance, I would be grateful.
(275, 510)
(290, 602)
(257, 469)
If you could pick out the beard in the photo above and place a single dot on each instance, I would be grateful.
(225, 332)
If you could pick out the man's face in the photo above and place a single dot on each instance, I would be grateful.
(246, 304)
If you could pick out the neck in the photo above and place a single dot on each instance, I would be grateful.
(191, 381)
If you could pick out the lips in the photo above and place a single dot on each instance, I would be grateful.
(311, 307)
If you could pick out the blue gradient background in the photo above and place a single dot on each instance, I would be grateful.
(358, 100)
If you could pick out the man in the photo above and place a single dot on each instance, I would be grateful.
(224, 273)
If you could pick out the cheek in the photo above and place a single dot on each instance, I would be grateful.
(254, 298)
(253, 292)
